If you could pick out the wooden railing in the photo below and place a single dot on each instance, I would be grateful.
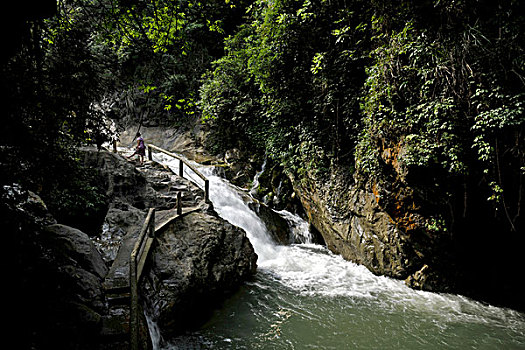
(137, 261)
(144, 242)
(183, 162)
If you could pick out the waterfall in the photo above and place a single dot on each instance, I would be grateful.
(277, 196)
(154, 332)
(229, 204)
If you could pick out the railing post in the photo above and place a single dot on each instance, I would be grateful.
(134, 275)
(179, 203)
(134, 308)
(207, 191)
(152, 223)
(181, 169)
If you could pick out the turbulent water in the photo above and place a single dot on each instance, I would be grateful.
(305, 297)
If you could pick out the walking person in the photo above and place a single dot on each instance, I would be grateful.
(140, 150)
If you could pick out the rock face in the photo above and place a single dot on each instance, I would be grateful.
(186, 140)
(354, 225)
(57, 279)
(212, 259)
(379, 227)
(276, 225)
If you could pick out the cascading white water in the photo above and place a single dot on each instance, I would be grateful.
(305, 296)
(231, 207)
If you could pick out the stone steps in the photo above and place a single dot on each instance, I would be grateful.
(117, 286)
(121, 297)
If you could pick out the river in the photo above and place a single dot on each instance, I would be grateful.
(305, 297)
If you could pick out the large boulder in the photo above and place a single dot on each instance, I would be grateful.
(75, 245)
(197, 261)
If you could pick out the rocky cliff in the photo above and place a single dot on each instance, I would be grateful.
(354, 225)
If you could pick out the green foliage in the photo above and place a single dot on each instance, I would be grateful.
(287, 83)
(436, 225)
(228, 97)
(162, 44)
(496, 111)
(439, 98)
(432, 89)
(52, 87)
(76, 196)
(430, 92)
(409, 101)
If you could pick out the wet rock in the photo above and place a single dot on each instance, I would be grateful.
(187, 140)
(238, 171)
(276, 225)
(429, 279)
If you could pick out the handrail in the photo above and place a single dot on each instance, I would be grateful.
(137, 259)
(181, 168)
(144, 242)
